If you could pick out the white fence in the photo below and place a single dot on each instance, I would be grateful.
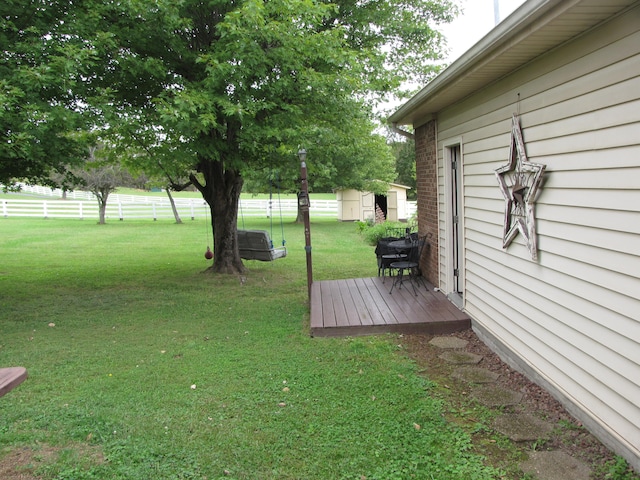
(154, 209)
(83, 205)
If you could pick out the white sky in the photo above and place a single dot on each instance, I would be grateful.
(476, 20)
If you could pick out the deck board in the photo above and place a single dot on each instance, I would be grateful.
(359, 304)
(364, 306)
(328, 314)
(361, 290)
(339, 306)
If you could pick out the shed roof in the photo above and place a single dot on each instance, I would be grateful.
(391, 184)
(536, 27)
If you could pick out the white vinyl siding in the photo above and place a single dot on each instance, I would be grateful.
(572, 316)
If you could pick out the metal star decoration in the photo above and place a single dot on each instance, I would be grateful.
(519, 182)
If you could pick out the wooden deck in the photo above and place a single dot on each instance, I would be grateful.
(364, 306)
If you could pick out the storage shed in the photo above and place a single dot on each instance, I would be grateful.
(528, 173)
(354, 205)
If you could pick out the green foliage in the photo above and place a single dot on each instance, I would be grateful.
(249, 82)
(40, 118)
(133, 328)
(405, 157)
(618, 469)
(373, 232)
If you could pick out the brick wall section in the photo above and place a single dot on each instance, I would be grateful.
(427, 185)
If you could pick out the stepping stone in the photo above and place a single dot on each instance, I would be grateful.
(492, 396)
(475, 375)
(448, 342)
(555, 465)
(460, 358)
(522, 427)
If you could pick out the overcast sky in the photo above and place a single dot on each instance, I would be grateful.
(476, 21)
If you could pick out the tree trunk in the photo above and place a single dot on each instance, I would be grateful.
(176, 215)
(222, 192)
(299, 217)
(102, 208)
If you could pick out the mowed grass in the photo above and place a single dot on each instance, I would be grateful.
(141, 366)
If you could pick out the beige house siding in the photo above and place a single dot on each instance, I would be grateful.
(571, 318)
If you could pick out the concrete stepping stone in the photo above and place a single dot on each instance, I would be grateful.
(492, 396)
(448, 342)
(460, 358)
(522, 427)
(555, 465)
(475, 375)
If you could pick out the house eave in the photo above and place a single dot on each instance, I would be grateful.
(533, 29)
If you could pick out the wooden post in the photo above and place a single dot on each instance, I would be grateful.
(303, 200)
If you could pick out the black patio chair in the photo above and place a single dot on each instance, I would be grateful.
(410, 266)
(387, 255)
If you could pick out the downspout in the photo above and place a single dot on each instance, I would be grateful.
(399, 131)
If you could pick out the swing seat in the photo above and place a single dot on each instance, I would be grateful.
(257, 245)
(10, 378)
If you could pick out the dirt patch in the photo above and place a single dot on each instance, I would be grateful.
(21, 463)
(569, 435)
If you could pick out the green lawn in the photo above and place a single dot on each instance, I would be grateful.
(141, 366)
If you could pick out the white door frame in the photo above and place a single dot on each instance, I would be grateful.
(454, 221)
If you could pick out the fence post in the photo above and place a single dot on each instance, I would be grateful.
(44, 208)
(193, 216)
(4, 208)
(120, 211)
(155, 217)
(80, 208)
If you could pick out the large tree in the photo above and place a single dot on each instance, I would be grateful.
(352, 157)
(234, 86)
(41, 123)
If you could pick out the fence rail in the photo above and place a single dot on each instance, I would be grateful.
(83, 205)
(154, 209)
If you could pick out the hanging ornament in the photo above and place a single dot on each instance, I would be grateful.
(208, 254)
(520, 182)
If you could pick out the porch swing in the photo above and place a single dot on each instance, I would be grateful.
(258, 244)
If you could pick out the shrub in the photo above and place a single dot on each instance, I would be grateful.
(374, 232)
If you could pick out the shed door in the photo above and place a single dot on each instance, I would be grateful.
(368, 206)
